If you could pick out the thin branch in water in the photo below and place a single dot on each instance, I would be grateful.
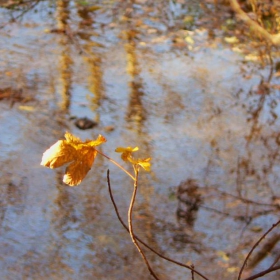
(26, 10)
(275, 261)
(262, 273)
(141, 241)
(253, 248)
(131, 227)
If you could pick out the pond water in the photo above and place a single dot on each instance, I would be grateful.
(206, 116)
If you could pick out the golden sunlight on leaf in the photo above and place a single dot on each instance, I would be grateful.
(126, 152)
(145, 163)
(59, 154)
(100, 139)
(127, 156)
(127, 149)
(78, 170)
(72, 139)
(80, 154)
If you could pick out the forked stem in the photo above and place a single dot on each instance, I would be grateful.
(130, 223)
(140, 240)
(118, 165)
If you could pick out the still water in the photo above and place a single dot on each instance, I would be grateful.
(194, 104)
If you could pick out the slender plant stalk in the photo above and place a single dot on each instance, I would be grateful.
(140, 240)
(118, 165)
(129, 216)
(192, 272)
(275, 262)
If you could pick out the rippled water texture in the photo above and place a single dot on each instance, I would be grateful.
(196, 106)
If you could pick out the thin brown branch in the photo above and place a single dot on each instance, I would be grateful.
(253, 248)
(275, 261)
(130, 226)
(245, 200)
(262, 273)
(274, 39)
(192, 272)
(140, 240)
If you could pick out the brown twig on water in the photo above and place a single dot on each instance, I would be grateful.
(262, 273)
(251, 251)
(142, 242)
(275, 261)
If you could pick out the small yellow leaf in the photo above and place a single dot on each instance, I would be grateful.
(126, 153)
(233, 269)
(127, 156)
(127, 149)
(231, 40)
(256, 228)
(189, 40)
(26, 108)
(223, 255)
(145, 163)
(93, 8)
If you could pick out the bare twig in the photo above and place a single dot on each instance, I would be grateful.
(274, 39)
(129, 216)
(251, 251)
(262, 273)
(141, 241)
(192, 266)
(275, 261)
(26, 10)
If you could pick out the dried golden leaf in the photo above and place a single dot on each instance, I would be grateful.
(223, 255)
(26, 108)
(81, 154)
(127, 156)
(72, 139)
(145, 163)
(58, 154)
(127, 149)
(126, 152)
(100, 139)
(78, 170)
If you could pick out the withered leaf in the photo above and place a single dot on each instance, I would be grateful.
(78, 170)
(59, 154)
(127, 156)
(80, 154)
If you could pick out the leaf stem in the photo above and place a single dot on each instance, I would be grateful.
(118, 165)
(130, 223)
